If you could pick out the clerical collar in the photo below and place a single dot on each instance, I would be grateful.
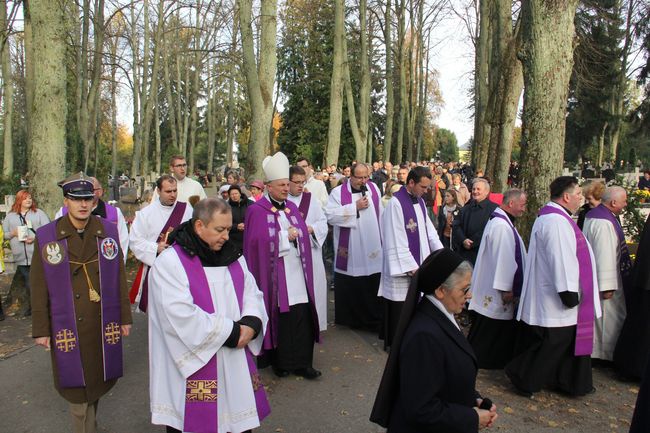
(277, 204)
(100, 209)
(413, 198)
(354, 190)
(510, 217)
(567, 210)
(481, 203)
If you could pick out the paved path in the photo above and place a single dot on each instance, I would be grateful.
(339, 402)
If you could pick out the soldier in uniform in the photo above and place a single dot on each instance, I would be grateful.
(80, 306)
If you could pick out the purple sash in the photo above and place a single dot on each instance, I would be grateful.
(173, 221)
(201, 395)
(625, 262)
(585, 325)
(344, 232)
(410, 221)
(65, 337)
(303, 208)
(518, 280)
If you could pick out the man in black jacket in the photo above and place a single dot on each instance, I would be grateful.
(471, 221)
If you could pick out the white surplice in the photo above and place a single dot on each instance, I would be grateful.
(122, 230)
(364, 250)
(602, 236)
(293, 271)
(398, 260)
(552, 268)
(317, 220)
(145, 230)
(318, 190)
(183, 338)
(495, 269)
(186, 189)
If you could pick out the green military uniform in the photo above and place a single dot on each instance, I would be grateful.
(87, 312)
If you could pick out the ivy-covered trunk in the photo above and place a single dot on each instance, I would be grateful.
(547, 58)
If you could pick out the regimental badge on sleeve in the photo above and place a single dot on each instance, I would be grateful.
(109, 248)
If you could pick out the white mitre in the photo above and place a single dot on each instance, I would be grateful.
(276, 167)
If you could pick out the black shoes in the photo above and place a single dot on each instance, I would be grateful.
(308, 373)
(281, 373)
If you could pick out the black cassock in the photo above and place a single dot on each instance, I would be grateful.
(633, 347)
(641, 418)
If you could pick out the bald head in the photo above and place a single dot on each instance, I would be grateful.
(615, 199)
(98, 189)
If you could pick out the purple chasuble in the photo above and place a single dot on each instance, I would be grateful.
(343, 248)
(585, 325)
(261, 250)
(410, 221)
(173, 221)
(201, 407)
(64, 336)
(518, 280)
(303, 208)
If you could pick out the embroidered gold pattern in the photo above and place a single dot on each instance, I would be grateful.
(65, 340)
(487, 301)
(412, 225)
(112, 333)
(257, 381)
(201, 390)
(342, 251)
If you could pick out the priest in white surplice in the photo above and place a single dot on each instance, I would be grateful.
(206, 320)
(409, 237)
(149, 231)
(559, 301)
(315, 186)
(605, 234)
(354, 210)
(496, 284)
(311, 212)
(187, 187)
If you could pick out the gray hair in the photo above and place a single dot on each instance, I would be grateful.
(459, 273)
(206, 208)
(512, 194)
(481, 179)
(612, 193)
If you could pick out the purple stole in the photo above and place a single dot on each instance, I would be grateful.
(111, 212)
(625, 263)
(173, 221)
(518, 280)
(202, 386)
(410, 221)
(344, 232)
(261, 249)
(303, 208)
(585, 325)
(64, 335)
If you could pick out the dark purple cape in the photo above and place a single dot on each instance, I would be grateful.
(261, 249)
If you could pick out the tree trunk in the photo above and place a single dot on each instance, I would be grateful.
(196, 85)
(481, 92)
(29, 75)
(390, 94)
(135, 70)
(89, 101)
(547, 58)
(401, 53)
(8, 94)
(171, 111)
(113, 86)
(156, 112)
(230, 126)
(50, 104)
(336, 87)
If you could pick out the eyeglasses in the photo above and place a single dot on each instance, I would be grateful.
(467, 289)
(298, 183)
(180, 166)
(361, 177)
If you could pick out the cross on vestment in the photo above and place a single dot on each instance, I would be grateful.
(65, 340)
(412, 225)
(202, 390)
(112, 333)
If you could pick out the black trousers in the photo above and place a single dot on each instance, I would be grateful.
(356, 303)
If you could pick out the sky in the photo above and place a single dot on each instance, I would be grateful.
(454, 60)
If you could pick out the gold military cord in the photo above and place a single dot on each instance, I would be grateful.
(92, 293)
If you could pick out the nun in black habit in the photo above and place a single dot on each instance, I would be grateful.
(430, 376)
(632, 351)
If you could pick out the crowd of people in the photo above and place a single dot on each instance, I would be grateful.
(420, 253)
